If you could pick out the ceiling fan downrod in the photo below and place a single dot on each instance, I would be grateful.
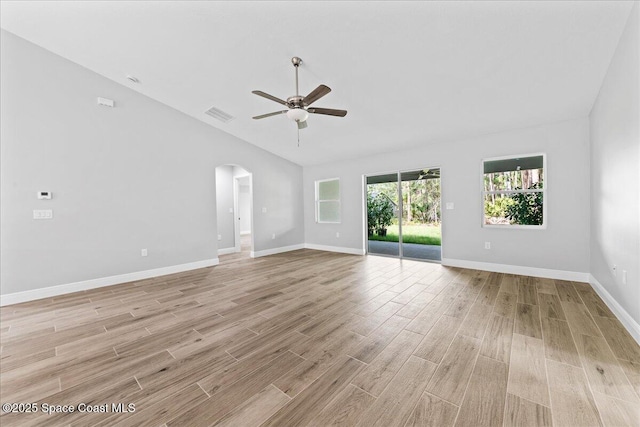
(296, 63)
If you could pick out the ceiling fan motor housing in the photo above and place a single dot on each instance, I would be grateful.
(295, 101)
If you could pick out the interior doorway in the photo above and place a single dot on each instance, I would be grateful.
(404, 214)
(234, 200)
(242, 221)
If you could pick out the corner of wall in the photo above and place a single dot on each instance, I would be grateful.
(625, 318)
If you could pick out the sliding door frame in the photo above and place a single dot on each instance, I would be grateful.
(400, 211)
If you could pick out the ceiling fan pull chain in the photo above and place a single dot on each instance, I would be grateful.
(298, 137)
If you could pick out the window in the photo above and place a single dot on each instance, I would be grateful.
(514, 191)
(328, 201)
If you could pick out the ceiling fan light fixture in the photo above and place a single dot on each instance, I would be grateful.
(298, 114)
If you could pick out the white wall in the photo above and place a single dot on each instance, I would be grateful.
(224, 204)
(141, 175)
(563, 245)
(615, 174)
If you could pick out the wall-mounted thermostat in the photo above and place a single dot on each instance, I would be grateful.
(44, 195)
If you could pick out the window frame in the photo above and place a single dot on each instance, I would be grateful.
(545, 181)
(318, 201)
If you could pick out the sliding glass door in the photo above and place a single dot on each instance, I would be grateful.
(404, 215)
(382, 214)
(420, 222)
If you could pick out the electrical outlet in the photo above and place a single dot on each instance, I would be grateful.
(624, 277)
(264, 210)
(219, 236)
(487, 245)
(143, 252)
(337, 234)
(449, 205)
(273, 236)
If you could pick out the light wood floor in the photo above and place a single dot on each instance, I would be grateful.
(315, 338)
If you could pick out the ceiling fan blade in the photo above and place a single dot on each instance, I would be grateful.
(271, 97)
(270, 114)
(302, 125)
(316, 94)
(328, 111)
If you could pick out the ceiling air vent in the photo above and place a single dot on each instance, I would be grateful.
(219, 114)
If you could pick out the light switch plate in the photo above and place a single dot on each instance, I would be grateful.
(42, 214)
(449, 205)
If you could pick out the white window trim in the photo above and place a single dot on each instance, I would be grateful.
(543, 226)
(318, 201)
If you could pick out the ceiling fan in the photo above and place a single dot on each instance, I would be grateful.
(299, 106)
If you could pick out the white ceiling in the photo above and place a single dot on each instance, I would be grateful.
(409, 73)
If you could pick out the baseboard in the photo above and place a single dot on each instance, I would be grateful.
(68, 288)
(625, 318)
(274, 251)
(338, 249)
(227, 251)
(575, 276)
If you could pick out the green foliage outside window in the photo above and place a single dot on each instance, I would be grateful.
(526, 208)
(498, 208)
(379, 213)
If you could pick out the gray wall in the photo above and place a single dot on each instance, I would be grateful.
(563, 245)
(615, 176)
(141, 175)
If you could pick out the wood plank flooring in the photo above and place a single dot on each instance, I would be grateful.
(318, 339)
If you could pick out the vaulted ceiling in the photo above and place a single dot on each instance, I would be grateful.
(409, 73)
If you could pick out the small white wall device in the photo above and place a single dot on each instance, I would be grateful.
(106, 102)
(42, 214)
(44, 195)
